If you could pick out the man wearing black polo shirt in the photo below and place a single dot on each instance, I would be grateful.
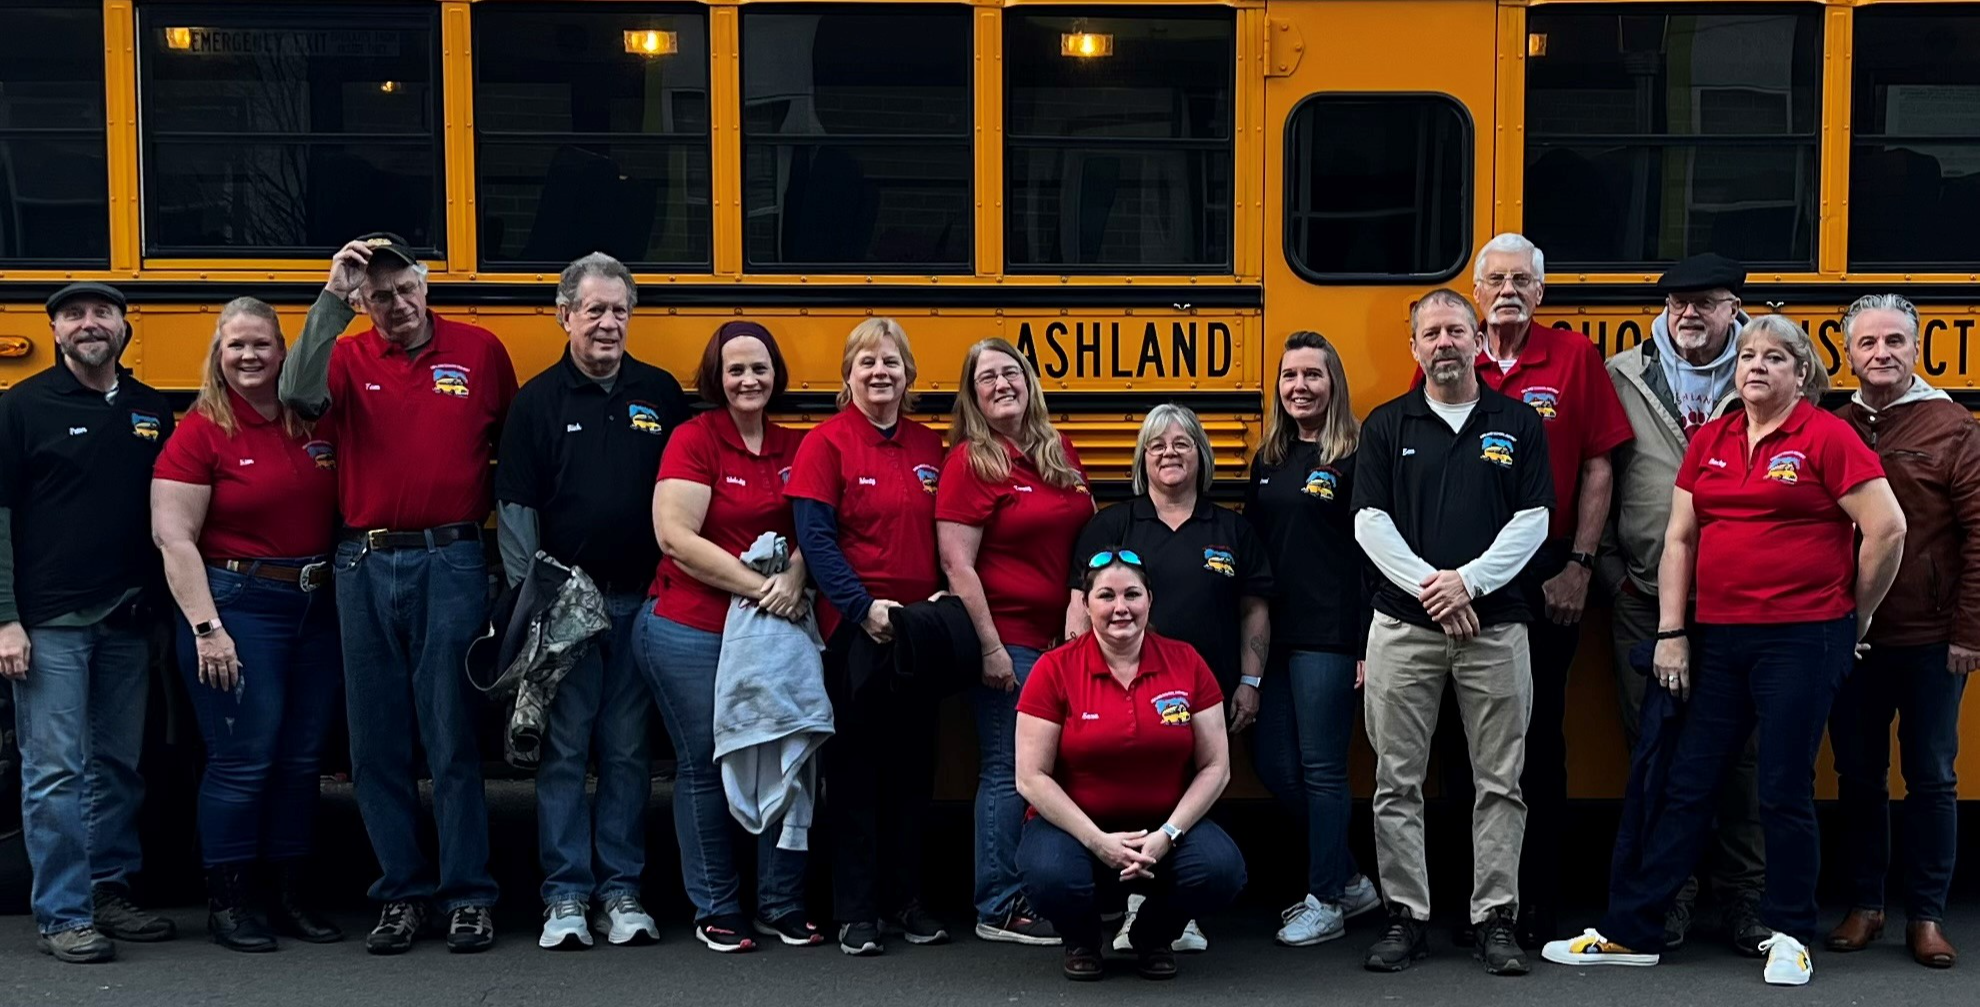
(415, 403)
(580, 453)
(77, 442)
(1451, 499)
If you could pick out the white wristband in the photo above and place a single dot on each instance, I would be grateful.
(1251, 680)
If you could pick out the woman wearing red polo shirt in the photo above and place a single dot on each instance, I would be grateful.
(243, 508)
(1012, 503)
(1121, 750)
(864, 489)
(1764, 520)
(721, 485)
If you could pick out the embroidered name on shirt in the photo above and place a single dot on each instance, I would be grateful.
(78, 431)
(1020, 488)
(1089, 716)
(735, 481)
(864, 481)
(1408, 451)
(571, 428)
(370, 387)
(1717, 463)
(247, 461)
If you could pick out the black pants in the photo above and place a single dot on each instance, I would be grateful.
(879, 775)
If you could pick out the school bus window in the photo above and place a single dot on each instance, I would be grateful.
(1376, 187)
(856, 139)
(1914, 175)
(1118, 140)
(54, 203)
(281, 132)
(1654, 133)
(591, 125)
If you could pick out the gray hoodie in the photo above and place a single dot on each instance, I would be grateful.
(1694, 388)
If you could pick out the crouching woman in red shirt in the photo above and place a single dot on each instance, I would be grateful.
(1121, 751)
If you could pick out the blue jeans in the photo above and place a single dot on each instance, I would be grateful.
(1306, 713)
(264, 740)
(1065, 883)
(1912, 684)
(599, 712)
(79, 718)
(1783, 679)
(999, 809)
(679, 664)
(407, 617)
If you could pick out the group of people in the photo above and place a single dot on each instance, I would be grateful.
(321, 515)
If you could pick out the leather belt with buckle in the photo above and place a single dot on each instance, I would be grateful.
(308, 577)
(379, 539)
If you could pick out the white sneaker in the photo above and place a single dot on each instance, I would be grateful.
(1591, 948)
(1788, 963)
(1360, 897)
(1311, 922)
(1191, 941)
(1121, 942)
(623, 921)
(563, 926)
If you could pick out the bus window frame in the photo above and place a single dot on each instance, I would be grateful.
(210, 13)
(967, 138)
(704, 265)
(1012, 141)
(1813, 140)
(18, 263)
(1469, 189)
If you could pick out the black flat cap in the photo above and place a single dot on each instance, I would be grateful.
(1710, 271)
(87, 288)
(387, 243)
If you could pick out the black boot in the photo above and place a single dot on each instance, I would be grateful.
(230, 910)
(289, 911)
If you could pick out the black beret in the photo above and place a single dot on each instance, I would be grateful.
(1710, 271)
(87, 288)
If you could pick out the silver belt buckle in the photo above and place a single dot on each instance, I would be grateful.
(313, 576)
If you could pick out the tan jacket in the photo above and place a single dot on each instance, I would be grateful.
(1646, 471)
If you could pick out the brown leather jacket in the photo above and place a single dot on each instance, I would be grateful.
(1930, 447)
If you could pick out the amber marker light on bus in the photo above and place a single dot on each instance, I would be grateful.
(389, 87)
(1536, 44)
(652, 43)
(15, 346)
(1086, 44)
(178, 38)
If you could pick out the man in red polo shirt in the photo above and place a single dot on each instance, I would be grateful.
(415, 404)
(1559, 373)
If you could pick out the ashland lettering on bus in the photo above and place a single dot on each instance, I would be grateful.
(1095, 350)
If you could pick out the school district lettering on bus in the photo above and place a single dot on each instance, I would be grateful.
(1949, 337)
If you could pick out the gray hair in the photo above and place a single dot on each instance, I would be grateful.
(1510, 242)
(1782, 330)
(598, 265)
(1881, 302)
(1158, 420)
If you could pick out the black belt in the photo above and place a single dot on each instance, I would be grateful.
(308, 577)
(376, 539)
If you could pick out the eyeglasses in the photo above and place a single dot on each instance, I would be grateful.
(1520, 281)
(989, 379)
(1172, 448)
(1107, 556)
(1701, 305)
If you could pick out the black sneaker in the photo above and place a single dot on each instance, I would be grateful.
(399, 924)
(1677, 925)
(726, 934)
(1498, 946)
(1743, 922)
(1019, 925)
(860, 939)
(470, 929)
(918, 926)
(120, 919)
(1404, 943)
(791, 928)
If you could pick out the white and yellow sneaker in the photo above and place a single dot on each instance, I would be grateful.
(1788, 963)
(1591, 948)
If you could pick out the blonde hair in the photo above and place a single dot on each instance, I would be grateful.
(1815, 377)
(865, 336)
(1158, 420)
(212, 401)
(1340, 432)
(1036, 439)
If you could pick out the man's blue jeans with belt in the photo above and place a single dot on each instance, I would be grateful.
(406, 617)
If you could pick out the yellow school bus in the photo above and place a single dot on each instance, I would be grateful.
(1145, 197)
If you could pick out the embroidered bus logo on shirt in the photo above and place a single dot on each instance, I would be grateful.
(929, 475)
(1544, 400)
(450, 379)
(1785, 467)
(1321, 484)
(644, 418)
(145, 426)
(323, 453)
(1497, 448)
(1218, 559)
(1173, 708)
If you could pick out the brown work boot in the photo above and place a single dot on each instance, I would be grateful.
(1857, 930)
(1928, 944)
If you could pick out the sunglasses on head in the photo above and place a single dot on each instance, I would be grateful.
(1104, 557)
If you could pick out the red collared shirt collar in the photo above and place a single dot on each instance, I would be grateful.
(375, 341)
(1796, 418)
(245, 414)
(1531, 353)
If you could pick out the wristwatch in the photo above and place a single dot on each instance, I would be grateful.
(1586, 559)
(1251, 680)
(1169, 829)
(207, 628)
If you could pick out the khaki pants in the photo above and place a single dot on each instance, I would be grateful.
(1407, 668)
